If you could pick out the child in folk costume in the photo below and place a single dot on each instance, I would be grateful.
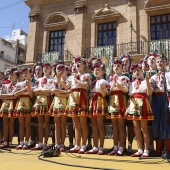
(98, 107)
(139, 109)
(43, 89)
(160, 107)
(151, 61)
(117, 107)
(8, 106)
(127, 61)
(37, 73)
(23, 108)
(58, 106)
(2, 76)
(145, 66)
(77, 103)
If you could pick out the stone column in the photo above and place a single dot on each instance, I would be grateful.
(80, 9)
(32, 41)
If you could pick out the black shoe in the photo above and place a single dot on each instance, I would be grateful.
(70, 146)
(88, 147)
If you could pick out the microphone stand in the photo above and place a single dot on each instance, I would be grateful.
(165, 155)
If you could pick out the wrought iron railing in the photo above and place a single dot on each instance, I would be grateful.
(161, 46)
(141, 47)
(54, 56)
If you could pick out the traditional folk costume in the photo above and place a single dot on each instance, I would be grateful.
(98, 103)
(8, 105)
(42, 102)
(59, 103)
(118, 102)
(77, 102)
(24, 104)
(139, 107)
(158, 105)
(160, 108)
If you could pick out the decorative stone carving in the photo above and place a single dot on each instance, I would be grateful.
(131, 2)
(56, 19)
(34, 15)
(80, 6)
(106, 12)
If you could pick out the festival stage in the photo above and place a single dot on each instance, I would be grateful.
(22, 160)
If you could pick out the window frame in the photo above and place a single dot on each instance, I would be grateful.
(156, 27)
(57, 42)
(107, 28)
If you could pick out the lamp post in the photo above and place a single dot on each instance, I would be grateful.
(131, 27)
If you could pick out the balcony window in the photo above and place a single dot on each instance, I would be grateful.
(160, 27)
(106, 34)
(56, 41)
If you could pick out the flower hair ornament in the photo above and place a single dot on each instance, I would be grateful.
(98, 64)
(150, 54)
(12, 69)
(93, 60)
(60, 67)
(76, 59)
(24, 69)
(117, 61)
(129, 58)
(38, 64)
(134, 66)
(126, 56)
(58, 62)
(46, 64)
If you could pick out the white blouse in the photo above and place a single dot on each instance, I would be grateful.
(58, 86)
(44, 83)
(122, 80)
(158, 81)
(84, 77)
(8, 88)
(22, 85)
(138, 86)
(97, 87)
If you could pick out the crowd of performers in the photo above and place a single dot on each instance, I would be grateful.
(132, 97)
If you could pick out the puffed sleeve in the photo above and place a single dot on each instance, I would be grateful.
(125, 81)
(4, 89)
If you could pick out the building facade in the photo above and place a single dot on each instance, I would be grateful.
(7, 55)
(61, 29)
(13, 49)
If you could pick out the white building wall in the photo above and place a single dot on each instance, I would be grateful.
(7, 56)
(19, 35)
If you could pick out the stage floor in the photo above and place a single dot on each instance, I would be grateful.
(22, 160)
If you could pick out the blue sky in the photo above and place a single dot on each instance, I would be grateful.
(13, 14)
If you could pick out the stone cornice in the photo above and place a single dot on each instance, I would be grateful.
(106, 13)
(31, 3)
(131, 2)
(57, 19)
(80, 6)
(160, 7)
